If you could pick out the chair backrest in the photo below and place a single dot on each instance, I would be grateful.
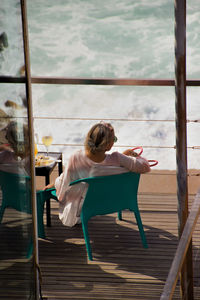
(108, 194)
(16, 191)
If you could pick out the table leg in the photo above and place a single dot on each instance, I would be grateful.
(60, 168)
(48, 205)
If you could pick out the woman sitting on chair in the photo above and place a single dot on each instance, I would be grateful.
(92, 161)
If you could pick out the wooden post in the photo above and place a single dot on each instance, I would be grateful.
(186, 277)
(181, 250)
(31, 144)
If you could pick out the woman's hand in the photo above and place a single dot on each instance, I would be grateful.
(49, 186)
(130, 152)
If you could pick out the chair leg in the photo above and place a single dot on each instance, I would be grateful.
(40, 212)
(2, 209)
(30, 249)
(141, 229)
(120, 215)
(86, 237)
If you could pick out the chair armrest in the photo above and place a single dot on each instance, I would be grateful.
(53, 193)
(49, 193)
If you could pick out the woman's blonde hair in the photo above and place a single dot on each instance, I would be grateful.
(99, 137)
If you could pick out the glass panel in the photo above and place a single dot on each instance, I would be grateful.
(193, 42)
(193, 127)
(90, 101)
(16, 232)
(11, 45)
(106, 38)
(193, 158)
(193, 144)
(193, 103)
(141, 116)
(193, 135)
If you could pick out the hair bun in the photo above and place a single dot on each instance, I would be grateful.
(99, 137)
(91, 145)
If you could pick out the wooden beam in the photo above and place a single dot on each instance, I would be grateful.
(31, 145)
(103, 81)
(12, 79)
(96, 81)
(186, 276)
(181, 250)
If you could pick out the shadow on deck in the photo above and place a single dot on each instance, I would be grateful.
(122, 268)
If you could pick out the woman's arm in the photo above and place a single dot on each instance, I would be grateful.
(49, 186)
(136, 164)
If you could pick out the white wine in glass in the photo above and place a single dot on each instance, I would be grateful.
(47, 141)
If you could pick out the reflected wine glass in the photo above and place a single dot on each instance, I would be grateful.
(36, 143)
(47, 141)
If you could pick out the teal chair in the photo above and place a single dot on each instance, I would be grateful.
(16, 194)
(42, 197)
(109, 194)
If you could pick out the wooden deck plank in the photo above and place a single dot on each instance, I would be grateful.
(122, 268)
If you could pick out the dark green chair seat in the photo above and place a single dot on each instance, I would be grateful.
(42, 197)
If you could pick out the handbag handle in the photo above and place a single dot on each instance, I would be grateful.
(138, 147)
(155, 162)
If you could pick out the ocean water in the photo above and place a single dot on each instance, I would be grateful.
(112, 39)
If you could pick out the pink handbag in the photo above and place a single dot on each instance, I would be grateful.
(153, 161)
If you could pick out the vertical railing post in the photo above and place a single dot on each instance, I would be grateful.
(31, 143)
(186, 276)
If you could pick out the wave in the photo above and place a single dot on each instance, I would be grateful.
(78, 38)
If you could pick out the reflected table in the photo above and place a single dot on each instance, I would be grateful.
(46, 172)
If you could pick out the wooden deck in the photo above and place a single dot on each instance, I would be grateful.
(122, 268)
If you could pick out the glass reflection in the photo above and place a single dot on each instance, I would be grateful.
(99, 39)
(14, 153)
(140, 115)
(11, 42)
(16, 232)
(14, 137)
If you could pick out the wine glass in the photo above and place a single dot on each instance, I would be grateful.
(35, 149)
(47, 141)
(35, 144)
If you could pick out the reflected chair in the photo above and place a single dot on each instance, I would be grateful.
(16, 191)
(42, 197)
(16, 194)
(109, 194)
